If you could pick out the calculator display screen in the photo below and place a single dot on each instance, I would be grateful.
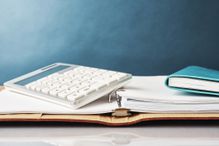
(41, 75)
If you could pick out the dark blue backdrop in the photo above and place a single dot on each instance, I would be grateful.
(143, 37)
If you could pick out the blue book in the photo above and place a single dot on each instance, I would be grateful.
(195, 79)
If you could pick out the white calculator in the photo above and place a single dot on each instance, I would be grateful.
(69, 85)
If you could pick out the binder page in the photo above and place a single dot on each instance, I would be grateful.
(150, 94)
(11, 102)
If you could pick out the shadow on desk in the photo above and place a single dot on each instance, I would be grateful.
(172, 123)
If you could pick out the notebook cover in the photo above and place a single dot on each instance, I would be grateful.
(106, 119)
(196, 72)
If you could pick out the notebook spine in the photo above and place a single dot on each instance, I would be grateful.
(120, 111)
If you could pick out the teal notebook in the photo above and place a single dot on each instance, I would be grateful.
(195, 79)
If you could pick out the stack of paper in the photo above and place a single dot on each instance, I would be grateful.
(149, 94)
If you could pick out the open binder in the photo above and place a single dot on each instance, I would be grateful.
(144, 99)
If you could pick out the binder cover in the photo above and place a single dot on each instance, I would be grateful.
(105, 119)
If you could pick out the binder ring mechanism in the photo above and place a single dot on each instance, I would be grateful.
(114, 95)
(119, 112)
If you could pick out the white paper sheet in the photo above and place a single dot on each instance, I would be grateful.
(149, 94)
(11, 102)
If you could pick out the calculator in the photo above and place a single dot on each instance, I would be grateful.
(68, 85)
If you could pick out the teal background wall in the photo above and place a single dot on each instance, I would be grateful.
(143, 37)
